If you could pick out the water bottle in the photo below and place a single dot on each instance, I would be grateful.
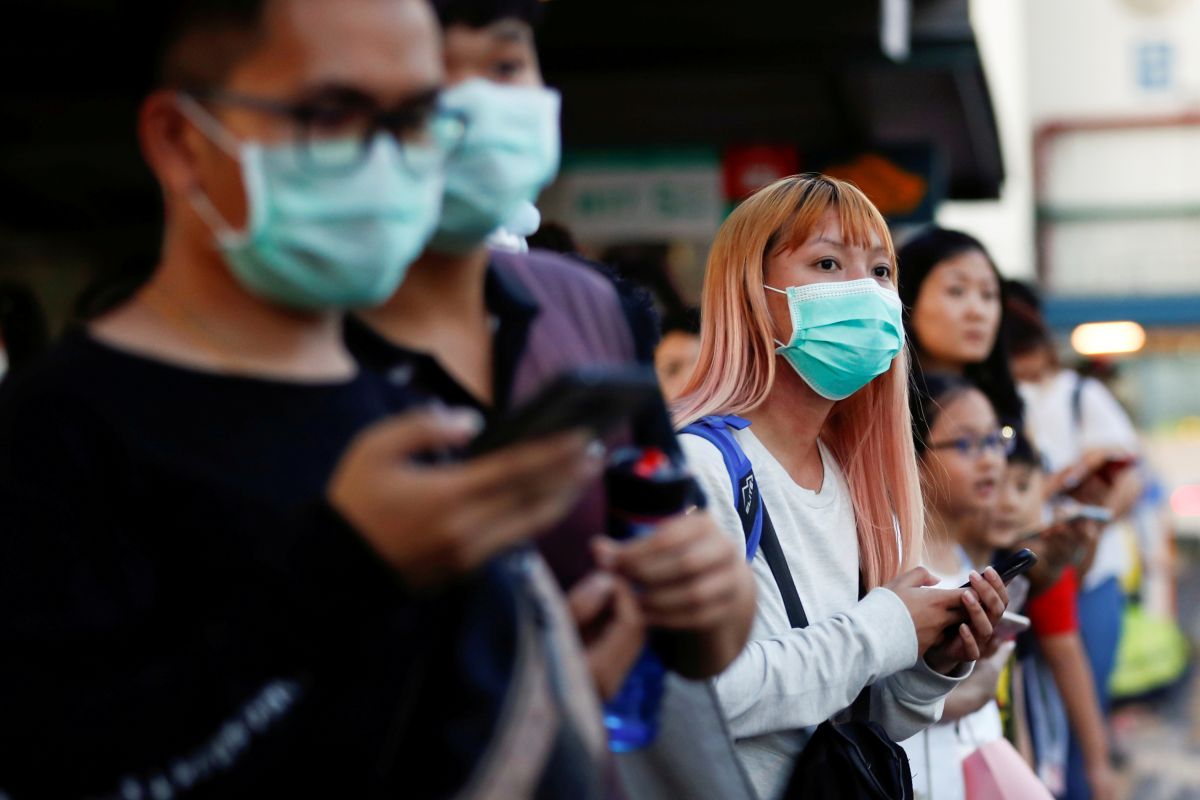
(644, 487)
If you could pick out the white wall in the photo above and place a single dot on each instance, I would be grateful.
(1056, 60)
(1005, 226)
(1084, 55)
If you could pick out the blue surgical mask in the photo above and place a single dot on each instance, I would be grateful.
(509, 153)
(844, 334)
(321, 241)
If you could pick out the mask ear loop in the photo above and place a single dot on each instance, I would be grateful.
(777, 291)
(216, 133)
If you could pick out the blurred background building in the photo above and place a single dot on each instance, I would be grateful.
(1065, 135)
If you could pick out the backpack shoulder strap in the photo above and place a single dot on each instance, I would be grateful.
(718, 430)
(777, 561)
(1077, 401)
(756, 522)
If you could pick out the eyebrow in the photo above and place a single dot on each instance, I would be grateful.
(510, 31)
(842, 245)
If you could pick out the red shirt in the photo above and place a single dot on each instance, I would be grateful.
(1056, 610)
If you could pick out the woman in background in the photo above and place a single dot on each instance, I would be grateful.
(955, 300)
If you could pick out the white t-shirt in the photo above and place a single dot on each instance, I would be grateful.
(787, 681)
(1063, 438)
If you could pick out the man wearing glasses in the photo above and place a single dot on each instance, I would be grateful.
(215, 582)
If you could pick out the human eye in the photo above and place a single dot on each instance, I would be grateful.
(964, 445)
(335, 112)
(827, 264)
(509, 68)
(883, 271)
(955, 290)
(413, 123)
(331, 120)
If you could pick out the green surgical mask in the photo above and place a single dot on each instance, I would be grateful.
(510, 151)
(322, 241)
(844, 334)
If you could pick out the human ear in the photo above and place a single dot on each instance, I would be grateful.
(168, 143)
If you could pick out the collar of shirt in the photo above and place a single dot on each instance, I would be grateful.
(512, 309)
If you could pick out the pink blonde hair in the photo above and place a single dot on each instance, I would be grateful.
(870, 432)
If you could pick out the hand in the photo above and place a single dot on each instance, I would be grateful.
(985, 602)
(690, 576)
(1059, 545)
(434, 522)
(1102, 780)
(932, 610)
(605, 610)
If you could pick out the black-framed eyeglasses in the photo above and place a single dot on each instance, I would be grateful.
(334, 136)
(976, 446)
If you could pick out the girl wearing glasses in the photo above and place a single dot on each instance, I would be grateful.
(962, 458)
(802, 368)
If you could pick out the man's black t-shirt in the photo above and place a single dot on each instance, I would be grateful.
(179, 608)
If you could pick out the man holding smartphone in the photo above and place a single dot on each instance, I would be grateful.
(216, 578)
(484, 329)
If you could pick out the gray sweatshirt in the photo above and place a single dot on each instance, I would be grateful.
(787, 681)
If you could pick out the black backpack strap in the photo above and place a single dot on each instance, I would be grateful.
(1077, 402)
(773, 553)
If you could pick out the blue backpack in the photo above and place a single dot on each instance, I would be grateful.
(718, 430)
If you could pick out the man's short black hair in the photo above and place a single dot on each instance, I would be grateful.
(481, 13)
(202, 40)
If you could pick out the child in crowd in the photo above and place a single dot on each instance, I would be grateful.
(961, 455)
(1054, 617)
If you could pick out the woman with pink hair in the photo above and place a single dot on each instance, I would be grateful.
(803, 370)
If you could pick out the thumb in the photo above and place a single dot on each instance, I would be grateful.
(918, 576)
(426, 429)
(588, 598)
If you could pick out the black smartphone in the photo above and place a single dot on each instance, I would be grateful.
(596, 399)
(1016, 564)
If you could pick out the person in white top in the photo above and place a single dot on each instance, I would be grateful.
(962, 456)
(1079, 426)
(801, 336)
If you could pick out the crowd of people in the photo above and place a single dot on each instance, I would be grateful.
(251, 550)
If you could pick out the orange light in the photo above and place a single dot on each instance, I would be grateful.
(1107, 338)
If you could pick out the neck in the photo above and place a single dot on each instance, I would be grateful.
(946, 533)
(193, 312)
(438, 288)
(789, 423)
(929, 364)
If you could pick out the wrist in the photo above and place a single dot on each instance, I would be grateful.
(940, 663)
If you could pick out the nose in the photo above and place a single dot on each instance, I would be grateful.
(990, 460)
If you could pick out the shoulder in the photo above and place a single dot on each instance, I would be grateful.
(1105, 422)
(56, 408)
(543, 269)
(63, 372)
(700, 452)
(579, 310)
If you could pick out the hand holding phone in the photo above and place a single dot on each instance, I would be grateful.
(595, 399)
(1018, 563)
